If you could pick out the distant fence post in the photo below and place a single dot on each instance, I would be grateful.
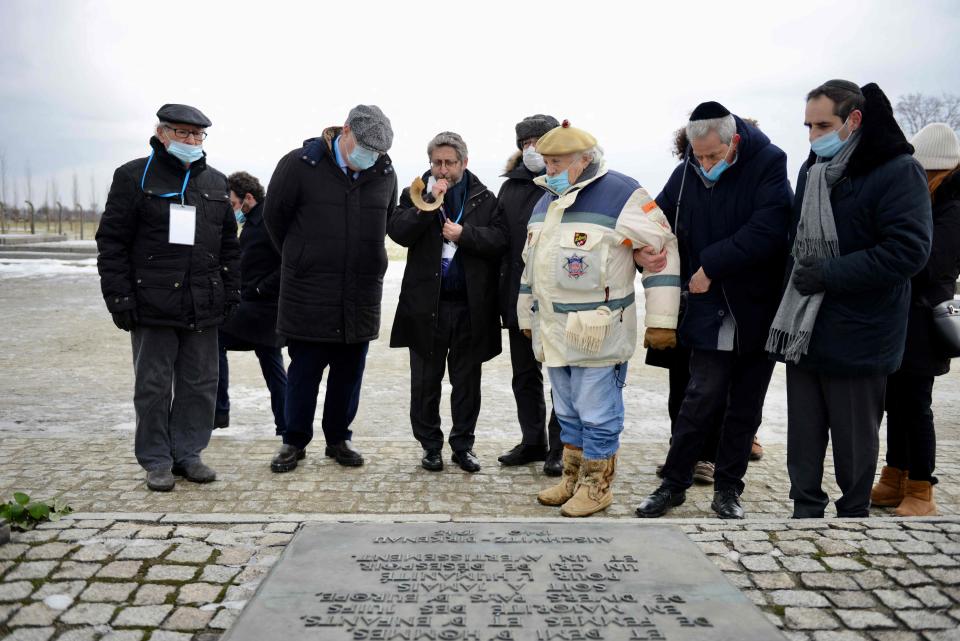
(32, 212)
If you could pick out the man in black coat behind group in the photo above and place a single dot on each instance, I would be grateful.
(516, 199)
(448, 308)
(254, 326)
(326, 211)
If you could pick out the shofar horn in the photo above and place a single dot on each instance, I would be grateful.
(416, 189)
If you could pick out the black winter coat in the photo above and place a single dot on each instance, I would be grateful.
(481, 244)
(737, 231)
(515, 202)
(881, 207)
(256, 320)
(330, 231)
(923, 355)
(183, 286)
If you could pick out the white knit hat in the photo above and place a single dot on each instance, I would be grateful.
(936, 147)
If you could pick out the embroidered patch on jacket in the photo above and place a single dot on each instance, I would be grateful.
(576, 266)
(579, 238)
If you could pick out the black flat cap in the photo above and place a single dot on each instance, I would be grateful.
(183, 113)
(709, 111)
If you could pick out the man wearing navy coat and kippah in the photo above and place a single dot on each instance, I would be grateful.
(729, 202)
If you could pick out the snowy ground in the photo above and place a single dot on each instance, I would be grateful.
(64, 368)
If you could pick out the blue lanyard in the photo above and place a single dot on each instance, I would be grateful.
(172, 193)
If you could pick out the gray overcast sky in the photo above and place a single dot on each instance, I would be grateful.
(80, 81)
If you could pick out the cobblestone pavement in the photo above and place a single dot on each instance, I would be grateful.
(168, 578)
(99, 473)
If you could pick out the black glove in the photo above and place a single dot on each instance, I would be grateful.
(808, 277)
(125, 320)
(230, 311)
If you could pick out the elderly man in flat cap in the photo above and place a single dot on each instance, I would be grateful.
(730, 202)
(326, 211)
(577, 301)
(169, 270)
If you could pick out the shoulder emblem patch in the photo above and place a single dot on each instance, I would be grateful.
(579, 238)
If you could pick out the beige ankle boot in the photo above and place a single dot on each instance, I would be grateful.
(593, 494)
(562, 491)
(917, 500)
(888, 491)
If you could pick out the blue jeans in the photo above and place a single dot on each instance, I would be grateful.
(588, 402)
(271, 365)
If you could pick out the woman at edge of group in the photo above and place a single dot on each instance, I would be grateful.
(906, 481)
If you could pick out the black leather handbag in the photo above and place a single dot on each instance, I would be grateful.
(946, 320)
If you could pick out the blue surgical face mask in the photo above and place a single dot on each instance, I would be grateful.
(362, 158)
(559, 183)
(241, 218)
(186, 153)
(829, 145)
(714, 174)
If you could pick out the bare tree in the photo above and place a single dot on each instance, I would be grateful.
(916, 110)
(28, 177)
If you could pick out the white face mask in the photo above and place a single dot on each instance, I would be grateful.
(532, 160)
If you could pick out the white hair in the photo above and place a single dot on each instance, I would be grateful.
(725, 127)
(595, 154)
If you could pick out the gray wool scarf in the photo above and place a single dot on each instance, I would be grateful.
(816, 237)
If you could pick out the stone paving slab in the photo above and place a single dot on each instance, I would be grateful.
(864, 598)
(100, 473)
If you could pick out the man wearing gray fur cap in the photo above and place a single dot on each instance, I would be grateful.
(518, 195)
(326, 211)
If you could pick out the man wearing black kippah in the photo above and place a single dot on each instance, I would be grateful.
(861, 229)
(729, 203)
(169, 265)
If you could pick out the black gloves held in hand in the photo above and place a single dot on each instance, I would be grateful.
(808, 277)
(125, 320)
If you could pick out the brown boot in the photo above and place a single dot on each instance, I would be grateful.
(917, 500)
(593, 493)
(756, 450)
(888, 492)
(562, 491)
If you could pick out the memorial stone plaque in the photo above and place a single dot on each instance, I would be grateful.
(497, 582)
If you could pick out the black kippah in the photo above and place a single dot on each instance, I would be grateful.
(709, 111)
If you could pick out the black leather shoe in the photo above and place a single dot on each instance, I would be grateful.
(345, 453)
(221, 420)
(467, 461)
(432, 460)
(287, 458)
(523, 454)
(554, 463)
(726, 503)
(657, 504)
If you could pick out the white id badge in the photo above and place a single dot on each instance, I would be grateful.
(183, 224)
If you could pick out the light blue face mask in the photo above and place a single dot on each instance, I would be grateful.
(186, 153)
(559, 183)
(714, 174)
(240, 216)
(829, 145)
(362, 158)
